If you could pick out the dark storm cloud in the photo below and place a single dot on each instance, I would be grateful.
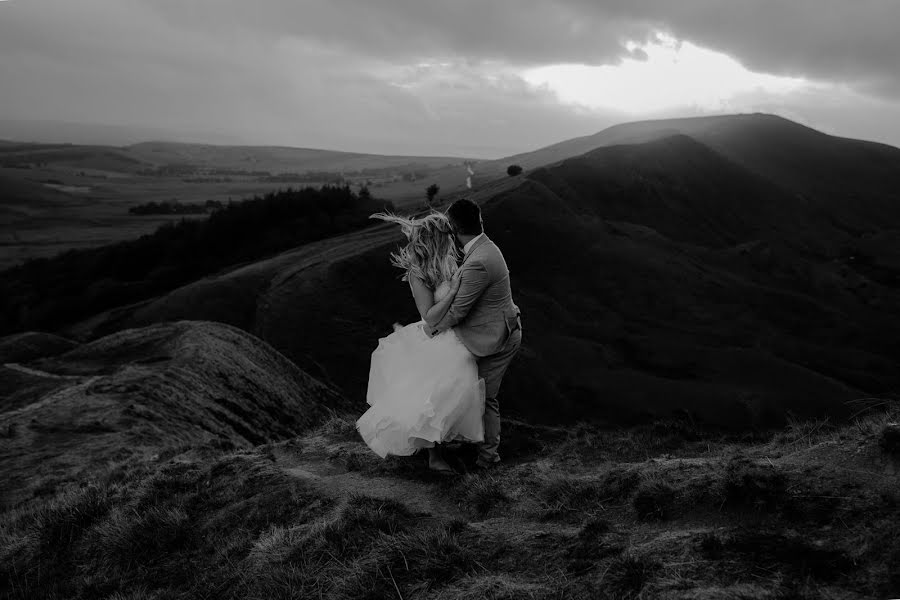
(855, 42)
(439, 76)
(835, 40)
(521, 31)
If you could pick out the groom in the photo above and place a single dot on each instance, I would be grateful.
(483, 315)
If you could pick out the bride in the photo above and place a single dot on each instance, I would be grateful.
(423, 391)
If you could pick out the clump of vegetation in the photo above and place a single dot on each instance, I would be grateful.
(339, 427)
(565, 496)
(484, 493)
(777, 550)
(513, 170)
(709, 545)
(431, 192)
(411, 563)
(176, 208)
(44, 294)
(561, 496)
(629, 573)
(498, 587)
(890, 438)
(748, 484)
(181, 528)
(654, 499)
(593, 543)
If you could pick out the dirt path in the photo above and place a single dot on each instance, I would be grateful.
(43, 374)
(333, 479)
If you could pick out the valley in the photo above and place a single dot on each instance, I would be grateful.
(57, 197)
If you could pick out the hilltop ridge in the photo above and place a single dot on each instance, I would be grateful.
(124, 398)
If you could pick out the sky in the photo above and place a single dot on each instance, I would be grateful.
(474, 78)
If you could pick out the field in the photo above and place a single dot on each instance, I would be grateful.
(59, 197)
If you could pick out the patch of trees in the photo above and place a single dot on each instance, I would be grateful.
(176, 208)
(322, 177)
(413, 175)
(207, 180)
(431, 191)
(47, 293)
(513, 170)
(171, 170)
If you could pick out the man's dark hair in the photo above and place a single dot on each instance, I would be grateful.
(465, 216)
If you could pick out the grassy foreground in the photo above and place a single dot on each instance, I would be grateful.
(658, 511)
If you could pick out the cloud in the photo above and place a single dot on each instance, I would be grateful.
(833, 40)
(424, 76)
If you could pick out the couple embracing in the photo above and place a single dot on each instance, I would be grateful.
(436, 380)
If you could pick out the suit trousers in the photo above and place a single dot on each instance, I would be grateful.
(491, 369)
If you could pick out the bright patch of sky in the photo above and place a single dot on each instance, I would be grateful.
(659, 75)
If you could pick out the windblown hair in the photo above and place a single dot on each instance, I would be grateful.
(431, 253)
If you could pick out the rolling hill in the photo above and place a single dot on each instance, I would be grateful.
(119, 402)
(797, 158)
(278, 158)
(685, 283)
(654, 277)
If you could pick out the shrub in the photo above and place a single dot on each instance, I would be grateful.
(513, 170)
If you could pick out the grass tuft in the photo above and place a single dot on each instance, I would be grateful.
(629, 573)
(484, 493)
(410, 563)
(746, 484)
(890, 438)
(653, 500)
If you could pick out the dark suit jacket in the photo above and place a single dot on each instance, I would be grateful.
(483, 312)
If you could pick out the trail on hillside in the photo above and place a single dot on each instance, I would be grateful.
(42, 374)
(314, 465)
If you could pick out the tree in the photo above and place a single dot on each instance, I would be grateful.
(431, 192)
(513, 170)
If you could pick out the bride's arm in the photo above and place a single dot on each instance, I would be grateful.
(432, 312)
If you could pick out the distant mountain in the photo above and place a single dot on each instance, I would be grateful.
(278, 158)
(799, 158)
(51, 131)
(270, 159)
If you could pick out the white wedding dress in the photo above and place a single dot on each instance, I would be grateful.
(421, 391)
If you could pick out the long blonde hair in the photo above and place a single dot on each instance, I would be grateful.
(431, 253)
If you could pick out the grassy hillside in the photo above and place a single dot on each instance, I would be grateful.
(116, 405)
(279, 158)
(654, 278)
(797, 158)
(57, 197)
(46, 293)
(661, 511)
